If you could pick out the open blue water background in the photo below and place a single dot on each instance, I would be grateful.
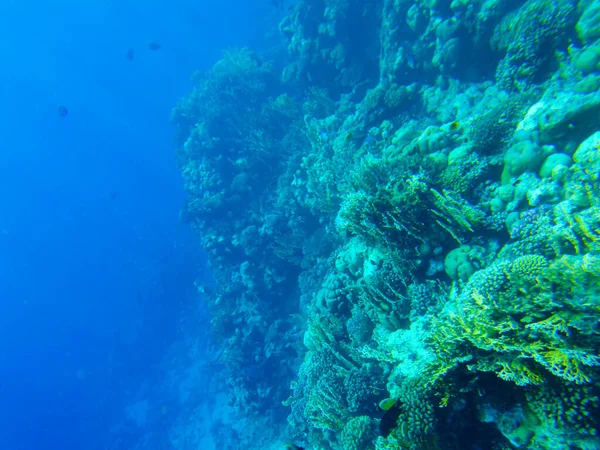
(96, 272)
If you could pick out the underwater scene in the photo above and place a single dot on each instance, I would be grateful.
(303, 225)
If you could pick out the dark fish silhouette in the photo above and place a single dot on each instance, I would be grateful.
(129, 55)
(63, 111)
(389, 420)
(154, 46)
(113, 195)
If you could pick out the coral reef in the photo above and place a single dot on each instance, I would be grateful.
(409, 208)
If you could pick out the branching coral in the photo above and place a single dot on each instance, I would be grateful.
(403, 213)
(527, 315)
(358, 433)
(530, 36)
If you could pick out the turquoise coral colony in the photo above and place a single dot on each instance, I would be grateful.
(405, 205)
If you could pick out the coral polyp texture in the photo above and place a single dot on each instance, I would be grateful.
(405, 204)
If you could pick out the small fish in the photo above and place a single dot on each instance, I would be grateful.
(389, 420)
(293, 447)
(129, 54)
(154, 46)
(63, 111)
(349, 136)
(387, 404)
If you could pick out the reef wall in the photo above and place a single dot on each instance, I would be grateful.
(408, 208)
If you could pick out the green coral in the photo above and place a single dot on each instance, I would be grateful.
(566, 413)
(522, 157)
(527, 319)
(490, 130)
(415, 427)
(554, 161)
(358, 433)
(464, 261)
(417, 420)
(394, 213)
(363, 387)
(530, 37)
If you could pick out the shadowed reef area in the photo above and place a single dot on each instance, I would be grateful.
(404, 202)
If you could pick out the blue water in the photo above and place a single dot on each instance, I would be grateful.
(96, 271)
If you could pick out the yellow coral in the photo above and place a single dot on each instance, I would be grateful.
(522, 315)
(527, 269)
(519, 373)
(567, 363)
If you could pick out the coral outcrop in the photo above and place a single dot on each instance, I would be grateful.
(410, 208)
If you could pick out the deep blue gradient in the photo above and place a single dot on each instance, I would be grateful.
(95, 268)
